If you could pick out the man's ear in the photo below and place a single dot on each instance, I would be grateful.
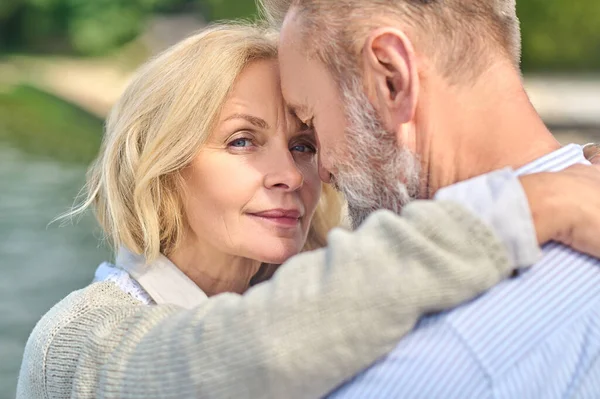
(391, 76)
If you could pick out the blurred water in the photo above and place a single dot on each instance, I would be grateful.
(39, 264)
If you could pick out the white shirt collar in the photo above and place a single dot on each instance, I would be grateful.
(560, 159)
(161, 279)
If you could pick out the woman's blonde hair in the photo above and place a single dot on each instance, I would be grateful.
(156, 129)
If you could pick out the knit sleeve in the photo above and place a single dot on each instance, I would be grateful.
(323, 317)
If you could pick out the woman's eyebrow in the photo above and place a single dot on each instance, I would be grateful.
(256, 121)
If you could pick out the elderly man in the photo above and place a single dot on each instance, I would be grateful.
(408, 97)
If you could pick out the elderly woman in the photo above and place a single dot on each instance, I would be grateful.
(204, 185)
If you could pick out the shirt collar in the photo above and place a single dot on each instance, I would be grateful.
(161, 279)
(560, 159)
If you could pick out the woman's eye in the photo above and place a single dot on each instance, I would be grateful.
(304, 148)
(241, 143)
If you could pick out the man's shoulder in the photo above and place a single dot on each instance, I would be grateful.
(496, 341)
(431, 362)
(521, 313)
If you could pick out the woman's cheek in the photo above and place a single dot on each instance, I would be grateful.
(312, 183)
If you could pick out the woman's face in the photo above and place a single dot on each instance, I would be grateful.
(253, 188)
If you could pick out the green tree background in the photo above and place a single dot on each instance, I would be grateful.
(558, 35)
(90, 27)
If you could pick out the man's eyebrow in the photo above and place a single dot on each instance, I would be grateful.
(308, 134)
(256, 121)
(297, 110)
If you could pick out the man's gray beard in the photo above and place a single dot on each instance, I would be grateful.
(377, 172)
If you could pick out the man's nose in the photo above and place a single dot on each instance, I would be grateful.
(324, 173)
(284, 173)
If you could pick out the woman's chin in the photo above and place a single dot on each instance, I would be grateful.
(278, 259)
(277, 252)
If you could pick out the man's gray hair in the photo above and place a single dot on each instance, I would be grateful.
(458, 35)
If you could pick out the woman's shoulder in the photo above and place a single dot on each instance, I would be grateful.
(106, 294)
(77, 306)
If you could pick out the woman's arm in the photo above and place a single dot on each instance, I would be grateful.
(323, 317)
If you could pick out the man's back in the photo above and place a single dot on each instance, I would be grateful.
(534, 336)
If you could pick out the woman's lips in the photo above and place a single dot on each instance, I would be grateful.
(279, 217)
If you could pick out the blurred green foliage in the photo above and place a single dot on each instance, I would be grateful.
(45, 125)
(95, 26)
(55, 26)
(560, 35)
(557, 34)
(228, 9)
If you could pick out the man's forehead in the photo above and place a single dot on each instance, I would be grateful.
(290, 27)
(293, 86)
(292, 41)
(296, 67)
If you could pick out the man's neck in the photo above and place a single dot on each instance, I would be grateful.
(494, 125)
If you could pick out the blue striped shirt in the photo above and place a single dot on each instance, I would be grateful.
(533, 336)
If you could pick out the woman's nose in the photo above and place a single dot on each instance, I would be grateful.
(284, 173)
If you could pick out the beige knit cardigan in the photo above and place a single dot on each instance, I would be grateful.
(323, 317)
